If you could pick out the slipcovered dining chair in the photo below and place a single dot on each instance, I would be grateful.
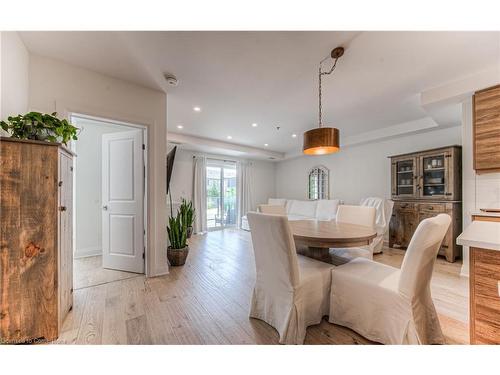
(359, 215)
(291, 292)
(272, 209)
(388, 305)
(383, 215)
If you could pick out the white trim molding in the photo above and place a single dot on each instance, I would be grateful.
(87, 252)
(460, 90)
(212, 146)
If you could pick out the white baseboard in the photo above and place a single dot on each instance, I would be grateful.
(87, 252)
(464, 271)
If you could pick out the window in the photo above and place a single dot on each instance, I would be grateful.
(318, 183)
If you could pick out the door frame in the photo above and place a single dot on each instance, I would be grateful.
(145, 150)
(221, 164)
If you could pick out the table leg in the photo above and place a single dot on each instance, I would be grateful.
(322, 254)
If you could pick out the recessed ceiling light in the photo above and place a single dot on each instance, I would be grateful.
(197, 109)
(265, 144)
(255, 125)
(229, 137)
(180, 126)
(294, 135)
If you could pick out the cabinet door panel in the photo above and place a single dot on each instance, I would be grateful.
(65, 235)
(434, 177)
(404, 177)
(486, 333)
(487, 129)
(402, 227)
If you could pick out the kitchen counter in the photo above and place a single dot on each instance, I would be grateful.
(481, 234)
(486, 214)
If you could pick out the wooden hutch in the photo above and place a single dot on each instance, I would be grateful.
(36, 254)
(425, 184)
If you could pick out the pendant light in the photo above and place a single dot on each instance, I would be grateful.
(323, 140)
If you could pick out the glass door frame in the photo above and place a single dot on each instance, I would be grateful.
(445, 168)
(413, 183)
(222, 164)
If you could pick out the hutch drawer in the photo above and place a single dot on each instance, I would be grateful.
(437, 208)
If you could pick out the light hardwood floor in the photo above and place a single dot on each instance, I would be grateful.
(207, 302)
(88, 272)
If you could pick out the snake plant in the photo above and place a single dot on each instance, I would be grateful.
(187, 211)
(177, 232)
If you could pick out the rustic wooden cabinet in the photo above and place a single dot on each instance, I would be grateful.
(486, 130)
(36, 254)
(424, 184)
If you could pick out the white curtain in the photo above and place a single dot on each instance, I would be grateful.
(245, 188)
(200, 193)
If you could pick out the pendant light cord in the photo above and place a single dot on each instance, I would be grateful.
(320, 74)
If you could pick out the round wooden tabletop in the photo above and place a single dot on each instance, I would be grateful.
(327, 234)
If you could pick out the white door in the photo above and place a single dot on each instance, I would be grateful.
(123, 201)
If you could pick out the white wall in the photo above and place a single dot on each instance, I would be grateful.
(14, 76)
(88, 186)
(64, 88)
(358, 171)
(182, 176)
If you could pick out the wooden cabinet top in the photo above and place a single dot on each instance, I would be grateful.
(35, 142)
(414, 153)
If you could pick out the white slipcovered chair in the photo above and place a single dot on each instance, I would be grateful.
(382, 219)
(272, 209)
(359, 215)
(389, 305)
(291, 292)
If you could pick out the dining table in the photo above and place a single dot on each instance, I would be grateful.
(315, 238)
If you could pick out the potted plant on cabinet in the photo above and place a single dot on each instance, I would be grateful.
(178, 250)
(41, 127)
(188, 214)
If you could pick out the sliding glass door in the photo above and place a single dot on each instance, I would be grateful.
(221, 194)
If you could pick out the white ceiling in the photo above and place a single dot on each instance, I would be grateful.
(270, 78)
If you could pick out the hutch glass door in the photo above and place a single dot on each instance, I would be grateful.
(405, 177)
(434, 178)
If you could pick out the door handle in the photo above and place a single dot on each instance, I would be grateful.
(105, 208)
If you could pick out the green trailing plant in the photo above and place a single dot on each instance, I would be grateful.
(188, 213)
(177, 232)
(41, 127)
